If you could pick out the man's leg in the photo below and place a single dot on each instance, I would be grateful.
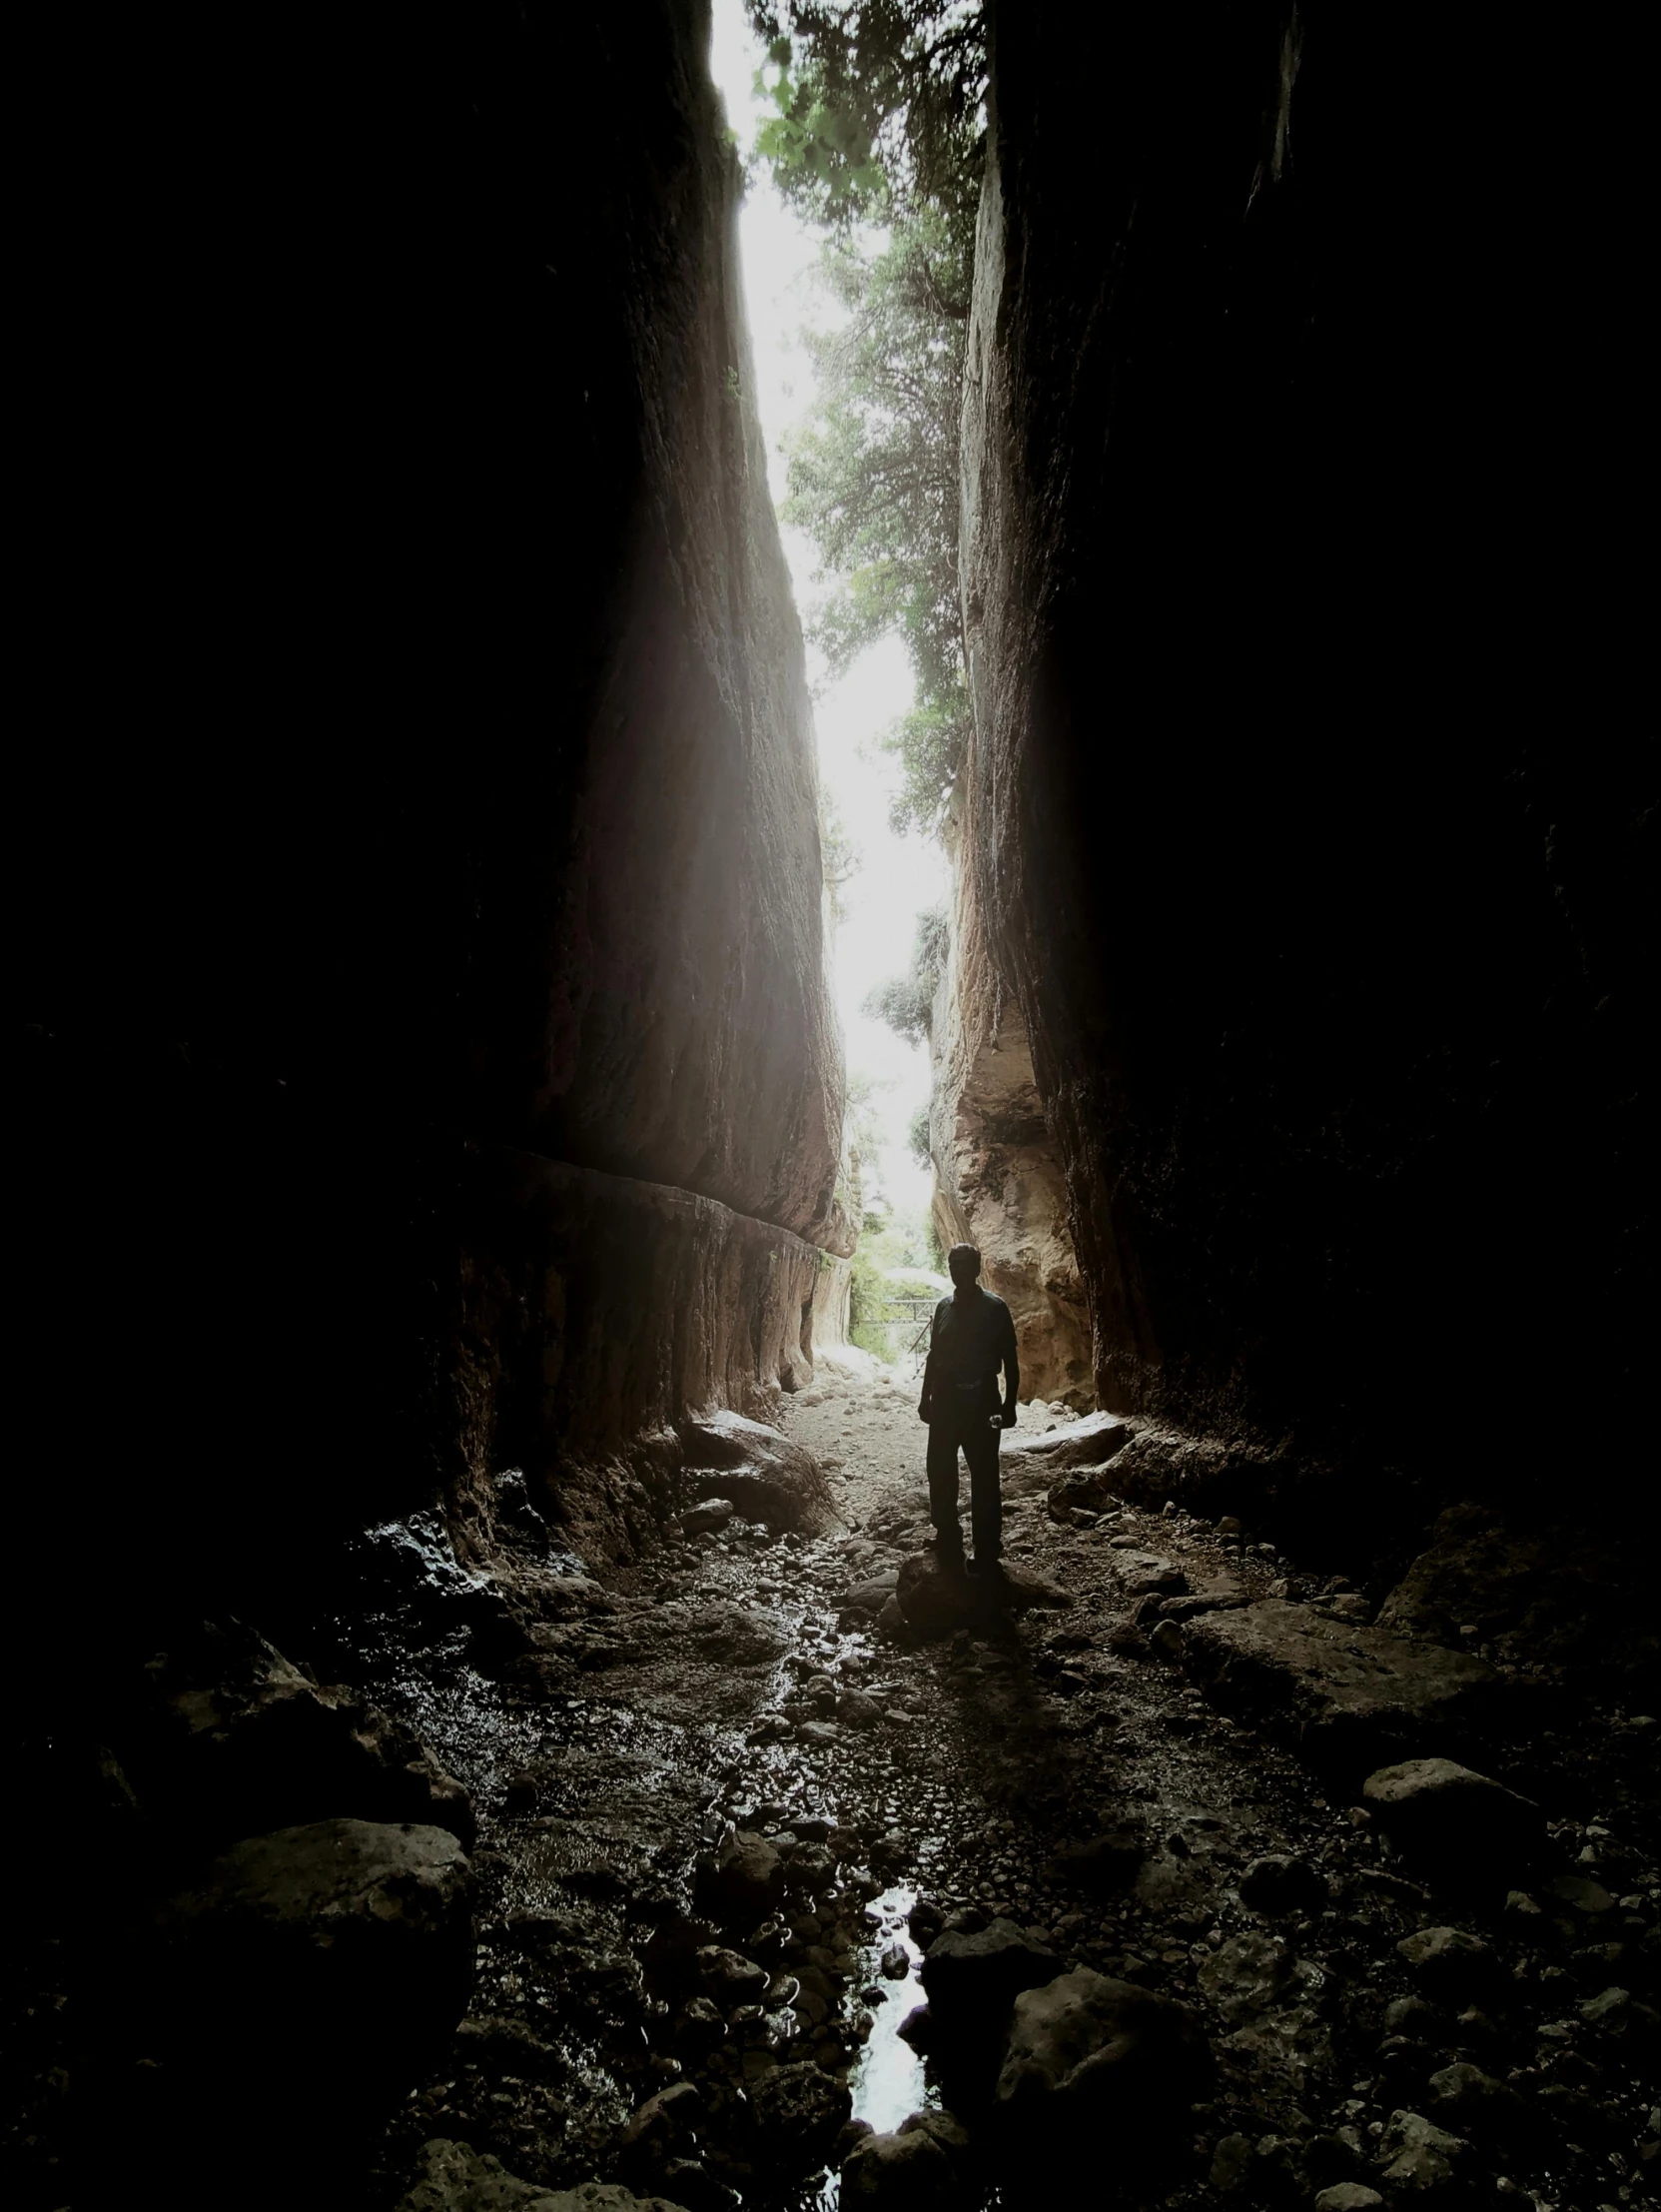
(980, 1449)
(943, 1490)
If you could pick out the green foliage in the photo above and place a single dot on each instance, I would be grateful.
(906, 1241)
(840, 859)
(917, 1137)
(880, 122)
(872, 479)
(862, 1134)
(876, 103)
(906, 1002)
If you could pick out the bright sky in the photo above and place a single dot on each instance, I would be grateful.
(900, 875)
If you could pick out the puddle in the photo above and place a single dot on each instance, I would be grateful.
(886, 2078)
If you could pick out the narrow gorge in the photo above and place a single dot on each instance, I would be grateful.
(491, 1727)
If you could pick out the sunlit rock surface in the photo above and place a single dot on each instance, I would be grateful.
(998, 1179)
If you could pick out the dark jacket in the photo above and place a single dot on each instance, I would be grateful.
(971, 1337)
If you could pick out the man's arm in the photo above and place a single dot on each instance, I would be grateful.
(1012, 1371)
(925, 1404)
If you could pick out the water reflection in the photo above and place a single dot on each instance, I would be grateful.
(886, 2078)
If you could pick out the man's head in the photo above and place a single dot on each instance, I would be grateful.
(965, 1264)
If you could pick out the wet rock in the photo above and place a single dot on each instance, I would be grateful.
(699, 2027)
(937, 1600)
(1470, 2102)
(712, 1516)
(520, 1793)
(508, 2045)
(924, 1921)
(917, 2028)
(1107, 1864)
(1246, 1974)
(239, 1741)
(340, 1954)
(1448, 1961)
(728, 1977)
(1580, 1893)
(891, 1618)
(1423, 2158)
(1454, 1819)
(690, 2183)
(1348, 2196)
(1346, 1692)
(973, 1976)
(854, 1709)
(896, 1962)
(745, 1878)
(901, 2171)
(453, 2177)
(797, 2113)
(871, 1595)
(1089, 2054)
(765, 1475)
(1276, 1883)
(1230, 2163)
(952, 2137)
(1608, 2007)
(662, 2124)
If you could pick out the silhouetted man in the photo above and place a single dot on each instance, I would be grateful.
(971, 1339)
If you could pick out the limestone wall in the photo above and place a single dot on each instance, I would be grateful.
(997, 1181)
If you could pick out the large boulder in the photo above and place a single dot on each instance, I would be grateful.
(234, 1739)
(1093, 2057)
(1037, 1463)
(744, 1878)
(1576, 1595)
(765, 1475)
(973, 1977)
(936, 1599)
(1346, 1694)
(797, 2113)
(453, 2177)
(336, 1958)
(1453, 1819)
(907, 2172)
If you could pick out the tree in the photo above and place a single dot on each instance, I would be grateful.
(872, 479)
(880, 121)
(906, 1002)
(862, 1135)
(878, 103)
(917, 1137)
(840, 859)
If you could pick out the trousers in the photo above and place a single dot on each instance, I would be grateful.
(971, 1433)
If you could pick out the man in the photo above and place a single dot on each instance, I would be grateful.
(971, 1339)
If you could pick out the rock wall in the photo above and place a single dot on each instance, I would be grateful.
(1301, 820)
(997, 1181)
(421, 519)
(599, 1311)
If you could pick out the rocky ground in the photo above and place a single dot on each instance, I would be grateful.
(801, 1870)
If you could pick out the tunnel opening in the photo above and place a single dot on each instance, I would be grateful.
(1136, 785)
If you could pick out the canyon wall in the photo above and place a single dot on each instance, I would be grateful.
(997, 1181)
(1303, 818)
(417, 530)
